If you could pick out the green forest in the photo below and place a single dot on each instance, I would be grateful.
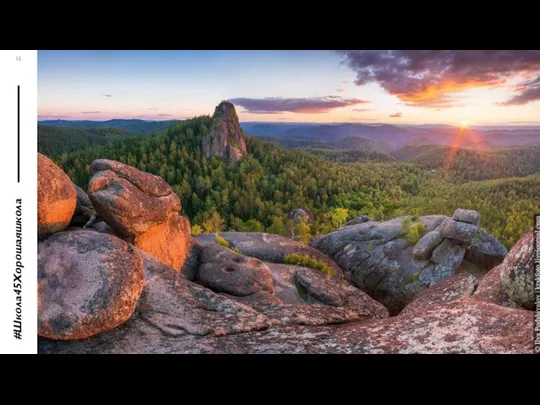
(257, 194)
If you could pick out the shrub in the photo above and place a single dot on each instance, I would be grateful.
(196, 230)
(412, 231)
(406, 225)
(235, 249)
(222, 241)
(415, 232)
(307, 261)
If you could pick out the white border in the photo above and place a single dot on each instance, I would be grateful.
(24, 73)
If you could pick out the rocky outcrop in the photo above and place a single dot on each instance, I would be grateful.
(268, 247)
(258, 284)
(225, 138)
(298, 213)
(142, 208)
(490, 289)
(517, 272)
(57, 197)
(451, 289)
(85, 214)
(457, 327)
(388, 260)
(88, 282)
(176, 307)
(173, 294)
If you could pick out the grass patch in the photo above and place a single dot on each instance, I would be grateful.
(235, 249)
(222, 241)
(307, 261)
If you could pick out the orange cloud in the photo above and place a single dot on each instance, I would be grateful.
(429, 78)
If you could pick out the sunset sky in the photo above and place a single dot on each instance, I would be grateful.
(397, 87)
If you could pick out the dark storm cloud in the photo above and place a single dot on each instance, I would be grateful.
(428, 78)
(396, 115)
(275, 105)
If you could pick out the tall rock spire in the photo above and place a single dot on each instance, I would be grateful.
(225, 138)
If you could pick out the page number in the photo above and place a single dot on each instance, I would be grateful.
(18, 58)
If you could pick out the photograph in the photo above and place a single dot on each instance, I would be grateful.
(286, 202)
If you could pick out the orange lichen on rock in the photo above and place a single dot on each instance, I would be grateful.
(57, 197)
(168, 242)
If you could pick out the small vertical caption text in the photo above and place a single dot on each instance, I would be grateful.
(17, 275)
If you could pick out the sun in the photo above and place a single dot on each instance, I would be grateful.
(464, 124)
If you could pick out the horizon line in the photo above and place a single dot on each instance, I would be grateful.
(517, 124)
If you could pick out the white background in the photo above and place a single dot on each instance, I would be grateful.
(23, 73)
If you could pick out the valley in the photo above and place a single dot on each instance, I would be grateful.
(327, 169)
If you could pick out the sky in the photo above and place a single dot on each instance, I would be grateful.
(360, 86)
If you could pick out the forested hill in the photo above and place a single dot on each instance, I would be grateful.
(257, 193)
(462, 165)
(55, 140)
(134, 126)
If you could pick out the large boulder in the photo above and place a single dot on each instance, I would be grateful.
(142, 208)
(467, 216)
(425, 246)
(223, 270)
(490, 289)
(57, 197)
(129, 200)
(88, 282)
(388, 260)
(225, 138)
(517, 272)
(458, 231)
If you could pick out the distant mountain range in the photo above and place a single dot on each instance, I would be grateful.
(380, 137)
(133, 126)
(397, 136)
